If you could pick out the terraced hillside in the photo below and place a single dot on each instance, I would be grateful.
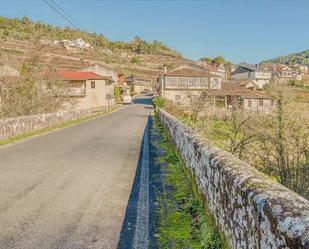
(137, 56)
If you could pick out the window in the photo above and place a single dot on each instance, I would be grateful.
(260, 102)
(177, 97)
(249, 102)
(271, 102)
(92, 84)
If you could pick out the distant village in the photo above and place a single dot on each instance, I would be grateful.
(95, 85)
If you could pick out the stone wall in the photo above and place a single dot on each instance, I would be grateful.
(11, 127)
(250, 209)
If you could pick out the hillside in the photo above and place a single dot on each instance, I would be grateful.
(142, 58)
(296, 58)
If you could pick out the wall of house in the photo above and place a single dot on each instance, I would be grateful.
(251, 210)
(267, 106)
(102, 71)
(94, 97)
(240, 76)
(175, 82)
(261, 75)
(11, 127)
(140, 88)
(281, 80)
(180, 97)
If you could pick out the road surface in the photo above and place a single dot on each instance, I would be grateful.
(69, 189)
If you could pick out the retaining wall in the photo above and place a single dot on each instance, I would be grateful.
(11, 127)
(252, 211)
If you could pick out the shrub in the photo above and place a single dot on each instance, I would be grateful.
(159, 102)
(134, 60)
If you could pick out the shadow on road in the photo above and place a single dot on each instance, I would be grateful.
(143, 100)
(130, 228)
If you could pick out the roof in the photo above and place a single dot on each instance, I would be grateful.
(189, 72)
(75, 75)
(254, 68)
(230, 89)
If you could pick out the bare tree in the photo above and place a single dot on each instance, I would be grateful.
(284, 144)
(198, 103)
(38, 89)
(240, 131)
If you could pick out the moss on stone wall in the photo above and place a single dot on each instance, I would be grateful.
(183, 222)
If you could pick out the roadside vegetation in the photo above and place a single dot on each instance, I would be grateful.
(183, 223)
(276, 143)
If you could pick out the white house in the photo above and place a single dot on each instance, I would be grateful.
(178, 83)
(139, 84)
(258, 75)
(89, 89)
(102, 70)
(182, 84)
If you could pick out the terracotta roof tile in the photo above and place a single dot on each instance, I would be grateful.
(230, 89)
(74, 75)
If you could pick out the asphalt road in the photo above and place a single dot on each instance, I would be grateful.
(69, 189)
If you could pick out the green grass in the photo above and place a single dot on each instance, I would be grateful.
(183, 221)
(62, 125)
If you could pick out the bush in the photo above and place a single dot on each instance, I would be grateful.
(117, 94)
(159, 102)
(134, 60)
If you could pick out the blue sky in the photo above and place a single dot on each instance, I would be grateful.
(240, 30)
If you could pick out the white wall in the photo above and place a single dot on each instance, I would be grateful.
(267, 107)
(180, 97)
(95, 97)
(102, 71)
(240, 76)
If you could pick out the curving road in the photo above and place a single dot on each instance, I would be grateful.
(69, 189)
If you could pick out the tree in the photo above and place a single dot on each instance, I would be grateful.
(218, 60)
(37, 90)
(206, 59)
(283, 148)
(198, 103)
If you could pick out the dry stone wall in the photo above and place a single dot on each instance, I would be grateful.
(11, 127)
(250, 209)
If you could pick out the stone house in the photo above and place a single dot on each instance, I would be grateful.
(178, 84)
(90, 89)
(258, 75)
(139, 84)
(102, 70)
(243, 95)
(211, 68)
(184, 84)
(221, 69)
(282, 74)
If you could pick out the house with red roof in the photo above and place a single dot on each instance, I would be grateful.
(90, 89)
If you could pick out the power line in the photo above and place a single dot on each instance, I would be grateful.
(59, 13)
(67, 14)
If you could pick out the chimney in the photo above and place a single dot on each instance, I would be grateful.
(165, 69)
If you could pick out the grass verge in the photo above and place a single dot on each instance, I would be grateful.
(62, 125)
(183, 222)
